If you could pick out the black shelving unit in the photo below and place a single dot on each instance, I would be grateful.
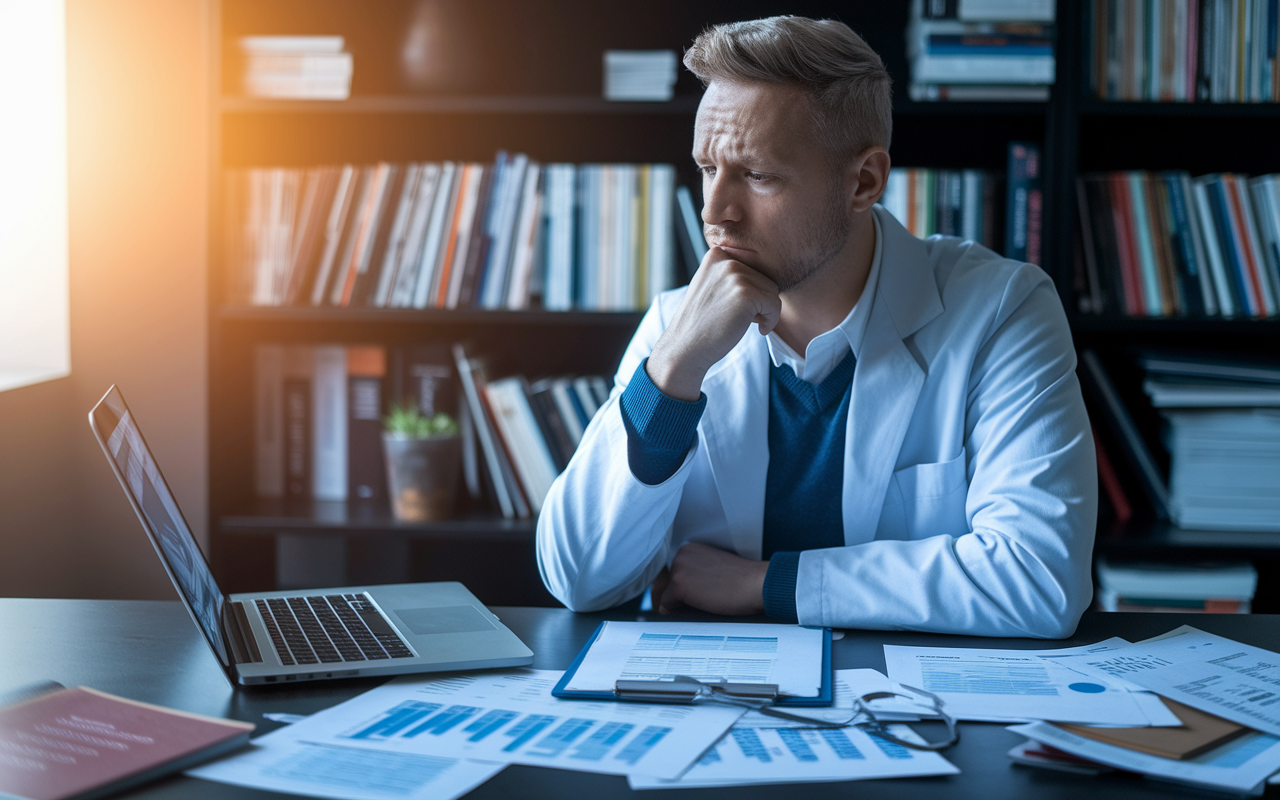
(528, 79)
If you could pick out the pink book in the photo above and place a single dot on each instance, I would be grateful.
(81, 743)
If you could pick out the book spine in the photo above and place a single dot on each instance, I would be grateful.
(1213, 249)
(1150, 271)
(1189, 222)
(410, 257)
(1233, 236)
(1016, 216)
(397, 236)
(1134, 447)
(1254, 246)
(366, 467)
(484, 432)
(1110, 482)
(269, 436)
(1091, 301)
(329, 423)
(1162, 239)
(478, 248)
(1130, 271)
(431, 266)
(296, 394)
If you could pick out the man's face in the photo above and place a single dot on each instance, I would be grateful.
(771, 197)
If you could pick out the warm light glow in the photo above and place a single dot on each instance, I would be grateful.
(34, 309)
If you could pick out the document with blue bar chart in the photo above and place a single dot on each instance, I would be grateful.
(786, 655)
(510, 717)
(1012, 685)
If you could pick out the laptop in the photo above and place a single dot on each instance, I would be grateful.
(272, 637)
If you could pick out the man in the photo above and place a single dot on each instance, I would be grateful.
(835, 422)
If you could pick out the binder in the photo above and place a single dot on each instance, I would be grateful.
(824, 697)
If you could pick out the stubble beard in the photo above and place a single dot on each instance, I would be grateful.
(809, 250)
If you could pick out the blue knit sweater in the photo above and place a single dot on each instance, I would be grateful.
(802, 508)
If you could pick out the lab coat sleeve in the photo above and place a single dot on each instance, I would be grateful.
(1023, 567)
(603, 534)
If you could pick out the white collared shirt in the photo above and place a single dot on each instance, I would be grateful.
(828, 349)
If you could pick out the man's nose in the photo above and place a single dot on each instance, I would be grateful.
(720, 203)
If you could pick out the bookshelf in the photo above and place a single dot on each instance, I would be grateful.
(530, 81)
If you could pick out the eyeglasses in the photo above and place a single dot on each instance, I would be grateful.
(761, 698)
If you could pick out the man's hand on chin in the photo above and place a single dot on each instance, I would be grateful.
(710, 579)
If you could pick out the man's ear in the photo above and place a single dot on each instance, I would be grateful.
(868, 175)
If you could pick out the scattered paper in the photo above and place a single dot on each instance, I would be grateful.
(278, 762)
(1078, 659)
(787, 655)
(510, 717)
(1216, 675)
(754, 755)
(1239, 765)
(1011, 686)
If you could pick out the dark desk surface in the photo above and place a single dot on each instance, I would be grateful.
(151, 651)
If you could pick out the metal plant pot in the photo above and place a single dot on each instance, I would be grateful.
(422, 475)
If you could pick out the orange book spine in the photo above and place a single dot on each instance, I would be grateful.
(446, 266)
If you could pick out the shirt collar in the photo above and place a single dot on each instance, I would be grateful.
(852, 328)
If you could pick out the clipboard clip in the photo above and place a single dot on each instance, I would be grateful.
(684, 689)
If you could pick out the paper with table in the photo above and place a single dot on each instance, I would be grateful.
(510, 717)
(761, 749)
(786, 655)
(1219, 676)
(1012, 686)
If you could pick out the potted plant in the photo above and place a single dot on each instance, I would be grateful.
(424, 456)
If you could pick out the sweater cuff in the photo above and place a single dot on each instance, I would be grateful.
(780, 586)
(660, 429)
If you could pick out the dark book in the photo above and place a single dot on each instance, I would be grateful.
(366, 466)
(423, 377)
(390, 211)
(1158, 217)
(1024, 206)
(1229, 245)
(689, 231)
(374, 232)
(296, 396)
(501, 477)
(79, 744)
(551, 423)
(1090, 292)
(1109, 480)
(1103, 392)
(1184, 249)
(1110, 278)
(481, 241)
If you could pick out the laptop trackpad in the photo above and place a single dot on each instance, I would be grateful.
(446, 619)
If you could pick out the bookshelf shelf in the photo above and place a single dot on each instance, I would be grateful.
(1094, 324)
(954, 108)
(433, 317)
(1100, 108)
(1153, 538)
(460, 104)
(318, 517)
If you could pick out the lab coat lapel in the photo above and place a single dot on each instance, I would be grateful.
(736, 430)
(888, 380)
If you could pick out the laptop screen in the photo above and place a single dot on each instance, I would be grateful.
(119, 435)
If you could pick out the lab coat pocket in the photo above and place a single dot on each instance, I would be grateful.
(933, 498)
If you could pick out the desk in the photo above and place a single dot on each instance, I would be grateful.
(151, 651)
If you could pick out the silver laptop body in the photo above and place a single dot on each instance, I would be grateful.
(271, 637)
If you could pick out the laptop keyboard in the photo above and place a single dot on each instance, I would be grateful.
(329, 629)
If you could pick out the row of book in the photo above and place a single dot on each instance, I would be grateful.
(318, 420)
(526, 432)
(296, 67)
(964, 203)
(949, 202)
(981, 50)
(1218, 51)
(512, 234)
(1220, 431)
(1161, 244)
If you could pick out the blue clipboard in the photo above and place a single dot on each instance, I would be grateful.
(825, 696)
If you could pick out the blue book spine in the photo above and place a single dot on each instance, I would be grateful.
(1184, 249)
(1016, 206)
(1230, 247)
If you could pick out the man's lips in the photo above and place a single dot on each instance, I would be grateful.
(735, 252)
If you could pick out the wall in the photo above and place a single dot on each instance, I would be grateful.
(138, 158)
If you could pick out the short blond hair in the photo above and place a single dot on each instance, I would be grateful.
(849, 89)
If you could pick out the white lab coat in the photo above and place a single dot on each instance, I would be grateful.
(970, 486)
